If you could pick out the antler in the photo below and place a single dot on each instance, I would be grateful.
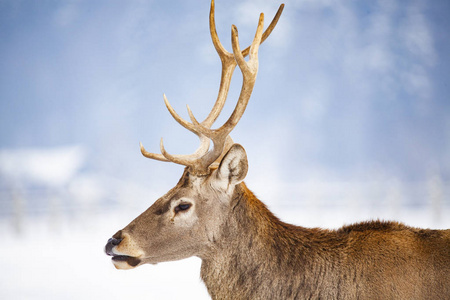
(200, 161)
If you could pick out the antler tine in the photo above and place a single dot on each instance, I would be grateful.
(228, 66)
(223, 54)
(177, 118)
(249, 71)
(268, 30)
(180, 159)
(151, 155)
(184, 160)
(229, 62)
(204, 141)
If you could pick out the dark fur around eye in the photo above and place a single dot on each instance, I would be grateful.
(182, 207)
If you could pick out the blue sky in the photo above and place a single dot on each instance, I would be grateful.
(345, 88)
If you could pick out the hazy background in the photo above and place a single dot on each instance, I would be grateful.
(349, 120)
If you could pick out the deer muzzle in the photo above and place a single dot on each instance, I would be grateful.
(125, 253)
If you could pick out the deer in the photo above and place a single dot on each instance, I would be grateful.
(249, 253)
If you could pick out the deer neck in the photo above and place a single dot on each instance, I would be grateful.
(253, 246)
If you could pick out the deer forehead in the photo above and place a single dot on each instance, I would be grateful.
(190, 187)
(203, 187)
(197, 183)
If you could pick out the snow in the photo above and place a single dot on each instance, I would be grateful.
(71, 264)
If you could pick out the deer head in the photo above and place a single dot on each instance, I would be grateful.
(190, 217)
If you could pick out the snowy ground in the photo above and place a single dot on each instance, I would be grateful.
(69, 263)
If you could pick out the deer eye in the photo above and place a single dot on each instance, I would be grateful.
(182, 207)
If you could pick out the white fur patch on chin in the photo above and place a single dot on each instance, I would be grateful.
(122, 265)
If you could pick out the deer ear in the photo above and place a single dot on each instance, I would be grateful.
(233, 167)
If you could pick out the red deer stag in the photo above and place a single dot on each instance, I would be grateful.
(247, 252)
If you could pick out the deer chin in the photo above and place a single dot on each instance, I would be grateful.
(124, 262)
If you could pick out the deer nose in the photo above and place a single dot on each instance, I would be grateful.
(112, 242)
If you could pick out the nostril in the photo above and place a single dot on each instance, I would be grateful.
(114, 241)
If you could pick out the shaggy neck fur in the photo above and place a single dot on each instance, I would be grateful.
(256, 250)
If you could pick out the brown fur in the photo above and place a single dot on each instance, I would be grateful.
(260, 257)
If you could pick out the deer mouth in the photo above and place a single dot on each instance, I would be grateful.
(121, 261)
(118, 261)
